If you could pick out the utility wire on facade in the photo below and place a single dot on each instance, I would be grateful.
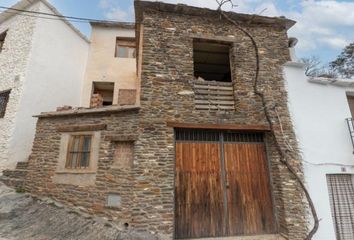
(69, 18)
(42, 17)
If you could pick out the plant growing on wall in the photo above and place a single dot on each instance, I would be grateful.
(284, 153)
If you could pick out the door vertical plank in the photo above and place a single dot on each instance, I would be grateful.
(198, 193)
(249, 196)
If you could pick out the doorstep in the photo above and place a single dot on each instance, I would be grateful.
(255, 237)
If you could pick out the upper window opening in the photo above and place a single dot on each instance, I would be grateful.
(79, 151)
(2, 40)
(4, 98)
(102, 94)
(211, 61)
(125, 48)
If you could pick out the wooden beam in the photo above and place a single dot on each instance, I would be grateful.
(121, 138)
(238, 127)
(82, 128)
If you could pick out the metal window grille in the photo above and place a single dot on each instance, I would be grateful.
(4, 98)
(215, 136)
(79, 151)
(341, 194)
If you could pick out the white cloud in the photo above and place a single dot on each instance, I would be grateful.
(335, 42)
(320, 23)
(116, 14)
(112, 11)
(323, 24)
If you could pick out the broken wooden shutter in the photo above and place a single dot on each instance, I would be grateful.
(213, 95)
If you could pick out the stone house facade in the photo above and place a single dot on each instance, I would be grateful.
(38, 72)
(165, 165)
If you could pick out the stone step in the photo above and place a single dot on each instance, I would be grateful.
(22, 165)
(17, 173)
(12, 182)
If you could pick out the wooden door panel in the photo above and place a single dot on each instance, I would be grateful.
(198, 190)
(249, 199)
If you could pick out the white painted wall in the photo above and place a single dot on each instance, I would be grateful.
(13, 64)
(319, 112)
(53, 78)
(103, 66)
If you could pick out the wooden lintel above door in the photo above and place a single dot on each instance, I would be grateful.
(235, 127)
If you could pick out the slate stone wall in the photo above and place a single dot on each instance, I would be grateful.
(147, 189)
(43, 164)
(167, 69)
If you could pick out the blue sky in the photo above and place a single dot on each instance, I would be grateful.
(323, 27)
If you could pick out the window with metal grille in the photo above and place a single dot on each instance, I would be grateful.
(341, 195)
(4, 98)
(125, 48)
(79, 151)
(2, 40)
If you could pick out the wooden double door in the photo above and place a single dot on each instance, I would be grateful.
(222, 184)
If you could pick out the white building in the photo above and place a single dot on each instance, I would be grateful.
(319, 108)
(42, 66)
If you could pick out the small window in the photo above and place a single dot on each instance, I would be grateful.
(125, 48)
(211, 61)
(4, 98)
(2, 40)
(79, 151)
(102, 94)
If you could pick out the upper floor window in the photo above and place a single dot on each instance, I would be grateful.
(79, 151)
(4, 98)
(211, 60)
(102, 94)
(2, 40)
(125, 48)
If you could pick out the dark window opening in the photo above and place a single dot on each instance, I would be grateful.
(2, 40)
(211, 61)
(102, 94)
(4, 99)
(125, 48)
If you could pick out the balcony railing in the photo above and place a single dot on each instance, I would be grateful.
(350, 122)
